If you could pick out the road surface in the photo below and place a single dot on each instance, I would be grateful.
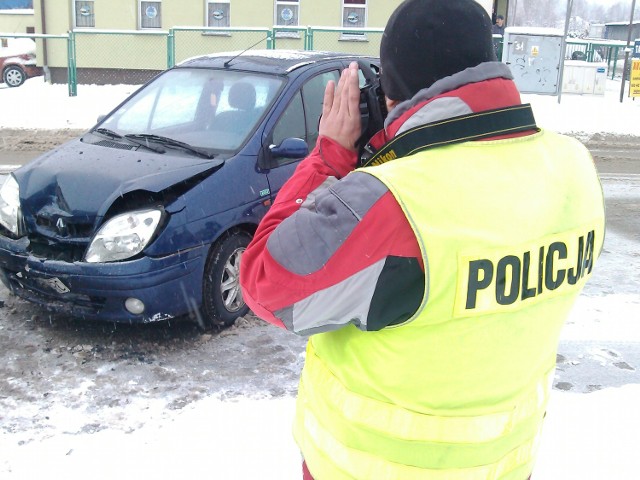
(119, 377)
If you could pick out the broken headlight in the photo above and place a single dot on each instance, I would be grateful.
(10, 215)
(124, 236)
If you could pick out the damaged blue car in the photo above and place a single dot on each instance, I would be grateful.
(145, 217)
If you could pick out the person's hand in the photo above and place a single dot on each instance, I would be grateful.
(340, 119)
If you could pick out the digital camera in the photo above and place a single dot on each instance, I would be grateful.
(373, 111)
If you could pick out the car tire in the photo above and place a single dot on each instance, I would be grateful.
(13, 76)
(222, 301)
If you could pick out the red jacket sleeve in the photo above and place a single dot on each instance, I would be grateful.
(311, 173)
(274, 273)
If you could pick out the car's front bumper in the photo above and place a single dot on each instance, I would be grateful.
(170, 286)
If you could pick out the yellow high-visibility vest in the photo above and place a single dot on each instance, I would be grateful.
(509, 231)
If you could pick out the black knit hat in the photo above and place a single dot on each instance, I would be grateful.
(426, 40)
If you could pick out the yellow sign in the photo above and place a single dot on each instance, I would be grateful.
(634, 85)
(535, 51)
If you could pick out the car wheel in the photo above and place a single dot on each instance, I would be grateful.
(222, 300)
(14, 76)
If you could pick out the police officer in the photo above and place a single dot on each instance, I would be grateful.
(432, 286)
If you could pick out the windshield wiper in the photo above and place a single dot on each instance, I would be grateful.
(111, 134)
(107, 132)
(144, 143)
(169, 142)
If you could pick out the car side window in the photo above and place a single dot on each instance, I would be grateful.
(362, 80)
(290, 124)
(313, 97)
(301, 117)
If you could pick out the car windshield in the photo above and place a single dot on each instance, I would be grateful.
(206, 109)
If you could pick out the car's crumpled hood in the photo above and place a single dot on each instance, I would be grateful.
(83, 180)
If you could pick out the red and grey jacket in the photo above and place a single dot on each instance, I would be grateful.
(336, 248)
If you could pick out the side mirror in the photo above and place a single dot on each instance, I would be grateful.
(290, 148)
(101, 118)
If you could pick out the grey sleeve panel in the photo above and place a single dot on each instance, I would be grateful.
(479, 73)
(439, 109)
(304, 242)
(345, 303)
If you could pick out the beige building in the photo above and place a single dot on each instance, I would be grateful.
(64, 15)
(17, 21)
(128, 40)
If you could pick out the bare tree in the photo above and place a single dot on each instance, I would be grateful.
(551, 13)
(539, 13)
(618, 12)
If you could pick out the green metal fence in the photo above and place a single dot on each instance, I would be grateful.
(605, 51)
(103, 54)
(361, 41)
(498, 42)
(107, 56)
(187, 42)
(291, 38)
(48, 46)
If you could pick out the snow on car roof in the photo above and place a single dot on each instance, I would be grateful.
(275, 61)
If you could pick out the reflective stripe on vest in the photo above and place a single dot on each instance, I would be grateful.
(407, 444)
(412, 426)
(331, 460)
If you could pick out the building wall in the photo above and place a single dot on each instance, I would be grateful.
(124, 15)
(620, 31)
(16, 21)
(146, 49)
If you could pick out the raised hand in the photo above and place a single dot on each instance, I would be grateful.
(341, 109)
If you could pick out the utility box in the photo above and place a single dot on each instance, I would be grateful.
(534, 56)
(584, 78)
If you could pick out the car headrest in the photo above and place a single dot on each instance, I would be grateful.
(242, 96)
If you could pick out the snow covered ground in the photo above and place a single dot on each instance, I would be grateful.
(39, 105)
(586, 436)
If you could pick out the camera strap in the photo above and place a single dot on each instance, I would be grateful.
(474, 126)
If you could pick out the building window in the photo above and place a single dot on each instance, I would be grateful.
(218, 13)
(150, 14)
(354, 13)
(84, 14)
(287, 13)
